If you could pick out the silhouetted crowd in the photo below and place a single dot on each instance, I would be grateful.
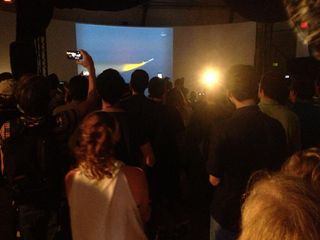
(97, 158)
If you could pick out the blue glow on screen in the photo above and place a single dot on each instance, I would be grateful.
(127, 48)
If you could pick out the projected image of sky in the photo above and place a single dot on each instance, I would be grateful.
(127, 48)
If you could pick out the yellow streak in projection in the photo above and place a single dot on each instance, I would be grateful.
(132, 66)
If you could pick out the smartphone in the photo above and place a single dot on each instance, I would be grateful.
(74, 55)
(85, 73)
(160, 75)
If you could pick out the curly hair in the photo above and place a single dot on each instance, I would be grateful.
(95, 149)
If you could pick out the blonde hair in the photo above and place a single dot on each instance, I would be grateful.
(95, 150)
(281, 207)
(306, 165)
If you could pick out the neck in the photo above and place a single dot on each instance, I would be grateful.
(73, 101)
(107, 107)
(156, 99)
(245, 103)
(264, 97)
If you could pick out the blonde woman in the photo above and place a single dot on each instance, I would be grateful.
(107, 199)
(305, 164)
(281, 207)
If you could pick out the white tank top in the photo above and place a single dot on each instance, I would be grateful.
(104, 209)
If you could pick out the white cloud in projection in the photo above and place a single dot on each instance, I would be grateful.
(127, 48)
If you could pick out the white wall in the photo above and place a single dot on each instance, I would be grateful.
(8, 35)
(217, 46)
(61, 37)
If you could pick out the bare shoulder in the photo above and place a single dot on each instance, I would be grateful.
(134, 173)
(68, 180)
(70, 175)
(132, 170)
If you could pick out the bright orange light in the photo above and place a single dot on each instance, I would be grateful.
(8, 1)
(210, 77)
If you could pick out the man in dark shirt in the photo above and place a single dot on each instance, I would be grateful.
(165, 131)
(133, 147)
(249, 141)
(138, 104)
(301, 93)
(165, 137)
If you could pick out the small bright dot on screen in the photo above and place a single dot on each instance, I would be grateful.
(210, 77)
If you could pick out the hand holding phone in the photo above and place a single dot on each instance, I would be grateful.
(74, 55)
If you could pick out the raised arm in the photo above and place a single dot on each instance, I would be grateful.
(87, 105)
(88, 63)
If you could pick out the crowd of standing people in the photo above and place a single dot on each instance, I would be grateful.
(98, 159)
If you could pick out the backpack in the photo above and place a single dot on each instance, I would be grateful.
(32, 163)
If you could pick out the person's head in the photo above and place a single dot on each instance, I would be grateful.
(274, 85)
(53, 81)
(157, 87)
(139, 81)
(176, 98)
(179, 83)
(33, 95)
(241, 82)
(280, 207)
(78, 88)
(110, 86)
(5, 76)
(95, 150)
(169, 84)
(301, 88)
(7, 86)
(306, 165)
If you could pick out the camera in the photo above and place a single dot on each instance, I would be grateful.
(75, 55)
(85, 73)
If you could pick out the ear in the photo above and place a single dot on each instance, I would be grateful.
(260, 92)
(292, 96)
(228, 94)
(293, 92)
(116, 136)
(130, 87)
(231, 97)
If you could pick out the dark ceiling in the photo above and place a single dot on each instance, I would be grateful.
(254, 10)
